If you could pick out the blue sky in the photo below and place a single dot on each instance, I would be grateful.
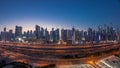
(58, 13)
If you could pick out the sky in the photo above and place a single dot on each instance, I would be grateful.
(81, 14)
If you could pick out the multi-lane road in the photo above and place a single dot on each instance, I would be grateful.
(39, 55)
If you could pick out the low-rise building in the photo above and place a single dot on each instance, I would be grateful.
(109, 62)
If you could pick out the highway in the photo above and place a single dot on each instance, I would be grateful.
(43, 55)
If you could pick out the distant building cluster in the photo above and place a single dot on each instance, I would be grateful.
(103, 33)
(63, 36)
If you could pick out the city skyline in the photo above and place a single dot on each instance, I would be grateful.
(59, 33)
(50, 29)
(71, 36)
(81, 14)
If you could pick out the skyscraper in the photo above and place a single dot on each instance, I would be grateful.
(5, 35)
(73, 35)
(18, 31)
(89, 34)
(77, 36)
(42, 37)
(64, 35)
(57, 36)
(37, 31)
(52, 35)
(4, 29)
(47, 37)
(69, 36)
(11, 35)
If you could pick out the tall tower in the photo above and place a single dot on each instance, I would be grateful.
(37, 31)
(73, 36)
(4, 29)
(57, 36)
(18, 31)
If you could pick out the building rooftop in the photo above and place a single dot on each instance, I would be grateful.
(109, 62)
